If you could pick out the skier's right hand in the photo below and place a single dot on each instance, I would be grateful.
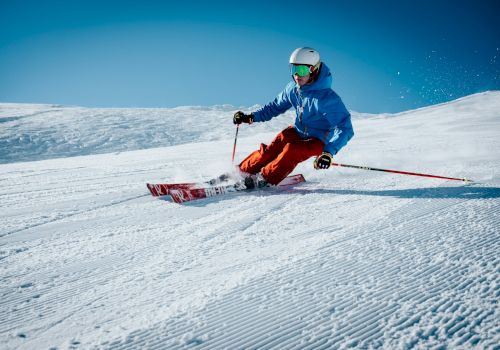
(323, 161)
(240, 117)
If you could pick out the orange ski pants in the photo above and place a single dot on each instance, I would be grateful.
(278, 159)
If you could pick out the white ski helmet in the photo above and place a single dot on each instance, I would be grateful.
(305, 55)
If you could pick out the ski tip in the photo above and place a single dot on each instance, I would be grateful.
(152, 189)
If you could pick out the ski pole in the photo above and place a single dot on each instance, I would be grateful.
(235, 139)
(401, 172)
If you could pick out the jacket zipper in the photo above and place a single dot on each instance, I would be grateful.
(301, 110)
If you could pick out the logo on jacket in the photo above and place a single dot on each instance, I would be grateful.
(336, 134)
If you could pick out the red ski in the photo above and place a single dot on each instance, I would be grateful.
(181, 195)
(164, 189)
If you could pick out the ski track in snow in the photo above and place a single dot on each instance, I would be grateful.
(349, 259)
(311, 303)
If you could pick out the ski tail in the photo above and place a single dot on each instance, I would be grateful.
(292, 180)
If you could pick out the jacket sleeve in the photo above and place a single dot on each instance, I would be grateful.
(341, 130)
(278, 106)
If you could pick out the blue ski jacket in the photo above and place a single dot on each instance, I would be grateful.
(320, 112)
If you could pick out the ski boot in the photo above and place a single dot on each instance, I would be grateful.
(255, 181)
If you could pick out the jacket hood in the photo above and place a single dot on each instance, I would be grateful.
(323, 82)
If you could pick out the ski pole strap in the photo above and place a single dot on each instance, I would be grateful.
(401, 172)
(235, 139)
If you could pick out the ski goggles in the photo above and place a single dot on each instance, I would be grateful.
(300, 70)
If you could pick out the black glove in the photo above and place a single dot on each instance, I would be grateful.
(240, 117)
(323, 161)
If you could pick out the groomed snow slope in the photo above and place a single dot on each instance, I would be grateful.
(88, 259)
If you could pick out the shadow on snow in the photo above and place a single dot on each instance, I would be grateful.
(462, 192)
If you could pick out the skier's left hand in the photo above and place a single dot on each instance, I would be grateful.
(240, 117)
(323, 161)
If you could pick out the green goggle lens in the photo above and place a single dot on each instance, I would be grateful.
(301, 71)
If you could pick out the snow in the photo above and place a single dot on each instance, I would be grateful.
(351, 258)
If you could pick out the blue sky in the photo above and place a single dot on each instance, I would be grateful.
(386, 56)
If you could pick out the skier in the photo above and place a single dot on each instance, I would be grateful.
(322, 124)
